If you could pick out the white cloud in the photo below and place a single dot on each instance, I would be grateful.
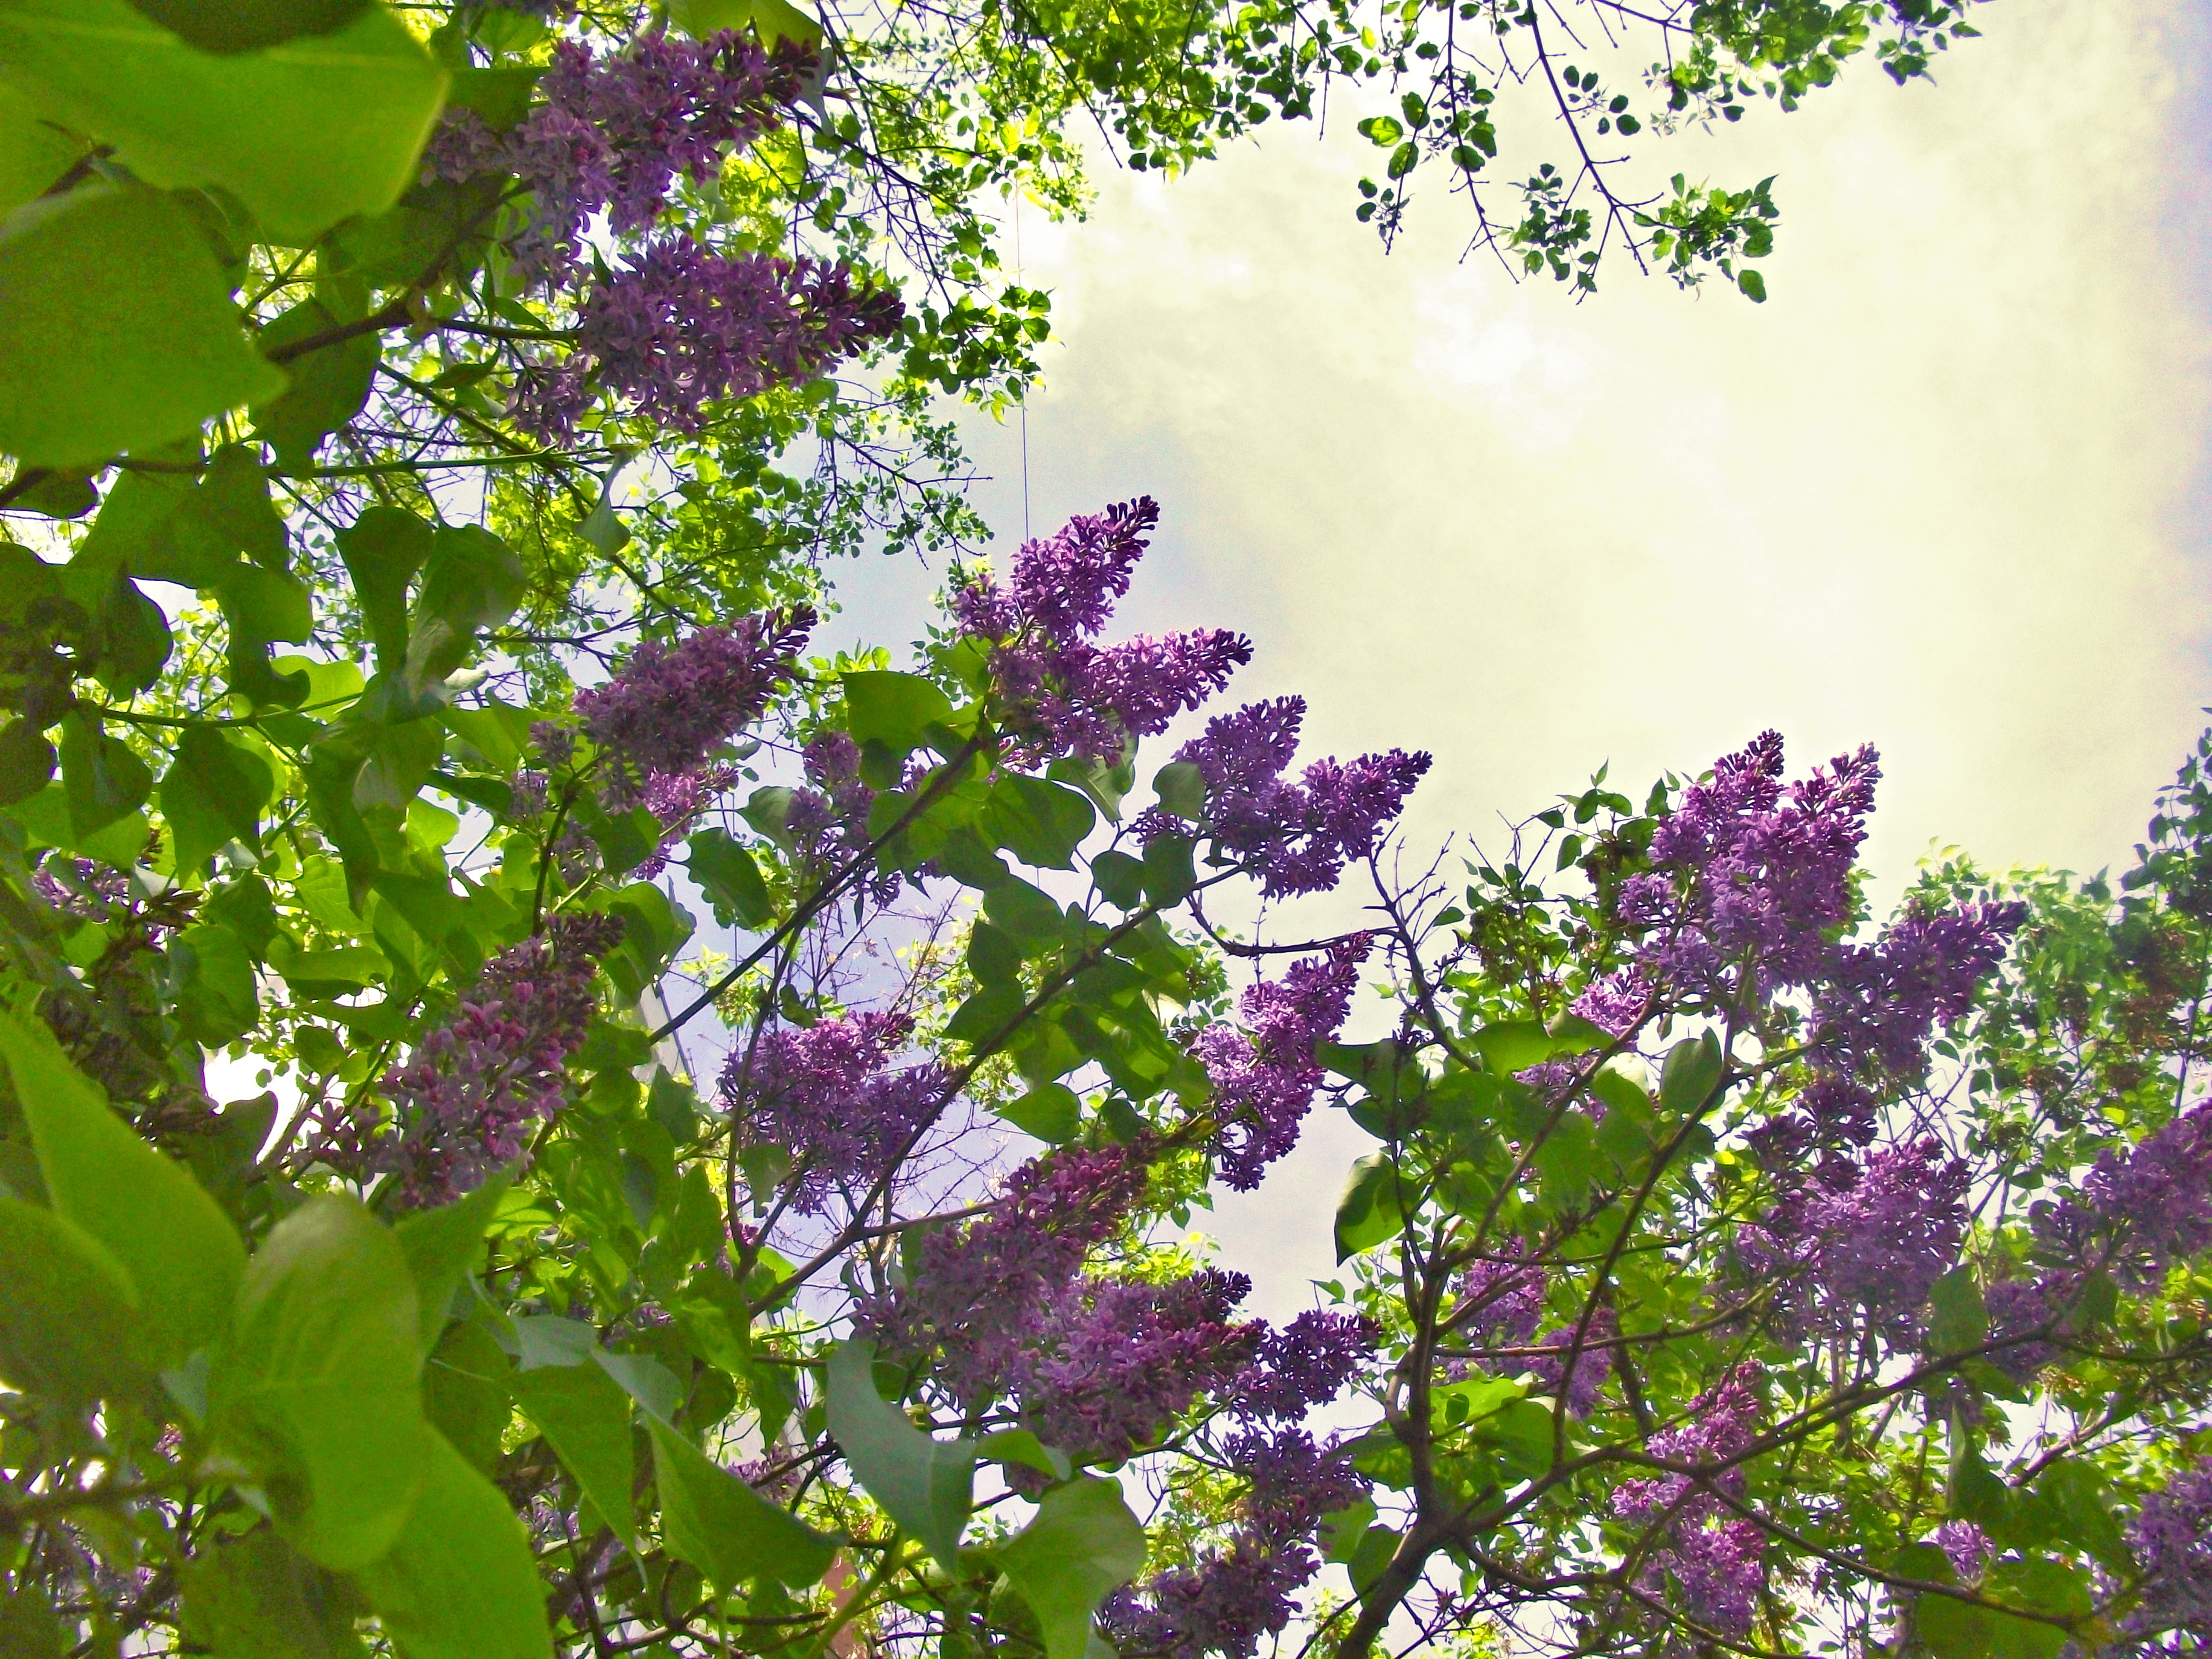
(1942, 493)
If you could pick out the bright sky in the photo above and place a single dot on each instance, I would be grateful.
(1945, 492)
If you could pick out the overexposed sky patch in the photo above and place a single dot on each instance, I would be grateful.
(1944, 493)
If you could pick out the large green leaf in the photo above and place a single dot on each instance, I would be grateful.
(924, 1483)
(256, 1597)
(217, 1000)
(66, 1321)
(1082, 1545)
(458, 1583)
(1369, 1209)
(170, 1237)
(319, 1391)
(103, 779)
(1692, 1070)
(472, 579)
(305, 133)
(722, 1527)
(585, 1416)
(119, 332)
(212, 794)
(441, 1245)
(383, 550)
(1039, 823)
(330, 383)
(34, 151)
(467, 1394)
(892, 709)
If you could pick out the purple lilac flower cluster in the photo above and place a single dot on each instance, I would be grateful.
(1714, 1556)
(834, 811)
(1264, 1081)
(1300, 833)
(1579, 1384)
(1063, 694)
(90, 891)
(472, 1090)
(2172, 1541)
(1750, 882)
(1096, 1367)
(659, 718)
(614, 132)
(1968, 1548)
(1862, 1240)
(977, 1291)
(823, 1094)
(683, 326)
(1242, 1592)
(1501, 1304)
(1107, 1365)
(2137, 1211)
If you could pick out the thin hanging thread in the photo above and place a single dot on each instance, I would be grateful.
(1021, 272)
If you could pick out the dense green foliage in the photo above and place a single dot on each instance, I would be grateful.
(420, 472)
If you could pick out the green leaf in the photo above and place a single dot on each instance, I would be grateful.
(260, 606)
(460, 1582)
(34, 152)
(585, 1416)
(1119, 879)
(1025, 912)
(892, 709)
(179, 1249)
(1512, 1046)
(1020, 1446)
(102, 778)
(28, 1628)
(1691, 1071)
(305, 133)
(66, 1323)
(1371, 1208)
(465, 1396)
(1566, 1162)
(721, 1526)
(925, 1484)
(383, 550)
(255, 1597)
(1039, 823)
(118, 333)
(1082, 1545)
(728, 876)
(2079, 1495)
(1961, 1323)
(216, 997)
(212, 794)
(1959, 1630)
(27, 762)
(1050, 1111)
(1169, 875)
(771, 19)
(472, 580)
(1181, 789)
(443, 1246)
(330, 384)
(318, 1390)
(1752, 284)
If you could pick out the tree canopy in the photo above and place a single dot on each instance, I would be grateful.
(730, 1117)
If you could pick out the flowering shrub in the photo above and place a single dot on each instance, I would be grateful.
(724, 1122)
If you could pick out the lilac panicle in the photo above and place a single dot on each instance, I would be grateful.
(1064, 694)
(1862, 1241)
(474, 1088)
(614, 132)
(2172, 1541)
(1301, 834)
(2140, 1208)
(1306, 1364)
(1246, 1590)
(670, 709)
(823, 1094)
(1108, 1365)
(979, 1291)
(1264, 1083)
(683, 326)
(1580, 1385)
(1966, 1546)
(1714, 1556)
